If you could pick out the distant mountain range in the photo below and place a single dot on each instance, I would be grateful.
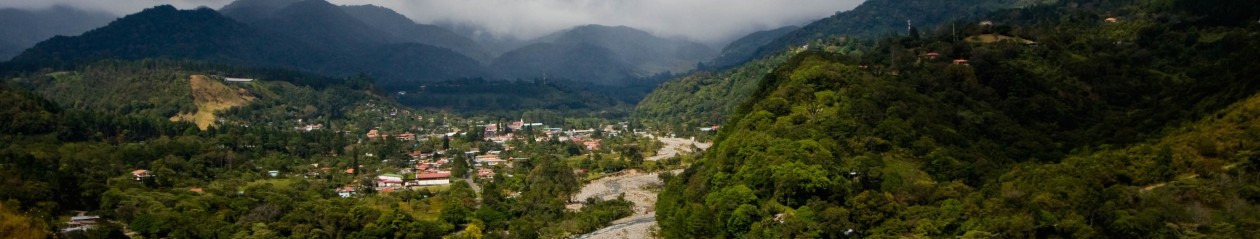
(317, 36)
(21, 29)
(601, 54)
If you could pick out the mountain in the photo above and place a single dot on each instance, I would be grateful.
(164, 31)
(398, 59)
(320, 24)
(881, 17)
(1103, 129)
(405, 29)
(496, 45)
(334, 44)
(21, 29)
(741, 50)
(249, 11)
(609, 55)
(709, 97)
(703, 98)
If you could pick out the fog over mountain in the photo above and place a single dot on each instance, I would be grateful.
(708, 21)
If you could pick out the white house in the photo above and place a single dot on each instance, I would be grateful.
(428, 179)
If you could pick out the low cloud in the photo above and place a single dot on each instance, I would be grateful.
(701, 20)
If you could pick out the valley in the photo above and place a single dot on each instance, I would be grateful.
(885, 119)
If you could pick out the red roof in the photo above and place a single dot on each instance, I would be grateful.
(423, 176)
(960, 61)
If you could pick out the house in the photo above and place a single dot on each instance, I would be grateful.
(372, 134)
(273, 173)
(310, 127)
(350, 171)
(230, 79)
(517, 125)
(986, 23)
(932, 55)
(196, 190)
(141, 174)
(960, 61)
(1112, 20)
(491, 130)
(389, 181)
(81, 222)
(485, 173)
(591, 144)
(710, 128)
(488, 160)
(406, 137)
(428, 179)
(345, 192)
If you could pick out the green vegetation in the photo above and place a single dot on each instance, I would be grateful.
(215, 183)
(1134, 129)
(702, 99)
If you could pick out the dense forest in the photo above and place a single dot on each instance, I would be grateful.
(1126, 119)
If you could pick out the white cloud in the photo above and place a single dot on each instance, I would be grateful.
(702, 20)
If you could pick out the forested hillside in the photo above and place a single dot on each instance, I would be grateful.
(877, 18)
(1132, 127)
(703, 98)
(706, 97)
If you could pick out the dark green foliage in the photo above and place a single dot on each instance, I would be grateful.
(1092, 132)
(742, 50)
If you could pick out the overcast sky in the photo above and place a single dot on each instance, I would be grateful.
(701, 20)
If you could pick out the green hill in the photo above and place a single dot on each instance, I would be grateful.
(1131, 130)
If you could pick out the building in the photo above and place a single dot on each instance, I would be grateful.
(372, 134)
(407, 137)
(932, 55)
(491, 130)
(485, 173)
(345, 192)
(591, 144)
(1112, 20)
(429, 179)
(488, 160)
(141, 174)
(230, 79)
(311, 127)
(960, 61)
(81, 223)
(389, 181)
